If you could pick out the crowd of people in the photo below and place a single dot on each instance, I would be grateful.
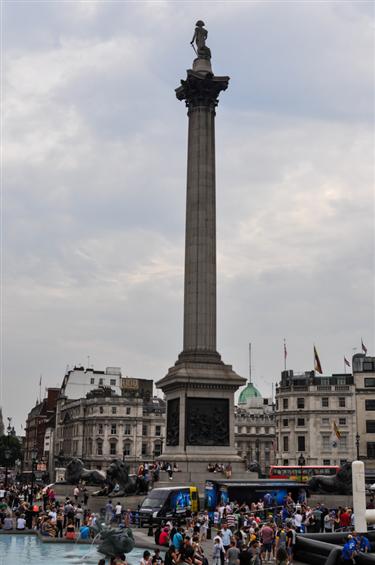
(232, 534)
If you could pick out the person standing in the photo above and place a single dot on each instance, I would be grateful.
(76, 493)
(118, 511)
(226, 536)
(233, 553)
(108, 512)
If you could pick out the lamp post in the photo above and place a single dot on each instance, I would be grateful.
(7, 455)
(301, 463)
(34, 456)
(357, 438)
(257, 455)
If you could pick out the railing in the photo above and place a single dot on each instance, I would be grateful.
(324, 387)
(342, 387)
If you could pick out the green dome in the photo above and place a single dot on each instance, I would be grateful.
(248, 392)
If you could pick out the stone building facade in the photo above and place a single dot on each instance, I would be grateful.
(311, 412)
(37, 422)
(255, 428)
(104, 425)
(364, 379)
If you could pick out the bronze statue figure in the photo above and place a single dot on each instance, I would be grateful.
(200, 36)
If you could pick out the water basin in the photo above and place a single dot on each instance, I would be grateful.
(29, 550)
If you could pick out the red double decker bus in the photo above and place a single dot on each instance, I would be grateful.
(301, 474)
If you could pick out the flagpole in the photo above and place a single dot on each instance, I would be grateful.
(344, 366)
(284, 355)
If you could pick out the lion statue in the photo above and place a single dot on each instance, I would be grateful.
(120, 483)
(341, 483)
(75, 472)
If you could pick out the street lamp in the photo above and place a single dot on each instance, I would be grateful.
(34, 456)
(301, 463)
(7, 455)
(357, 438)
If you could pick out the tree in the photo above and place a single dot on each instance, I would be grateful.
(13, 444)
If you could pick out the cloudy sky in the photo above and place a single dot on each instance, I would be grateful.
(94, 186)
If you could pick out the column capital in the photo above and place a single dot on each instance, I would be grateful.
(201, 89)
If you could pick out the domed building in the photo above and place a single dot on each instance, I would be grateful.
(255, 427)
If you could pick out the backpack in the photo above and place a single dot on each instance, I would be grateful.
(282, 539)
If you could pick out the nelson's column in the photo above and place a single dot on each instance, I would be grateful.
(200, 388)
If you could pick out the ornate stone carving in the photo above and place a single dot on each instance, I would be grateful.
(173, 421)
(201, 89)
(207, 421)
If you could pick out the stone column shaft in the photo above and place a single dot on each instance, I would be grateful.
(200, 237)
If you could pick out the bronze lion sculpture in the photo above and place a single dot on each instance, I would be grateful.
(76, 472)
(341, 483)
(120, 483)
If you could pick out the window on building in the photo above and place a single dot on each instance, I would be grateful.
(113, 429)
(144, 430)
(127, 448)
(157, 430)
(285, 461)
(326, 441)
(99, 448)
(113, 448)
(157, 449)
(127, 429)
(277, 403)
(301, 443)
(370, 426)
(326, 461)
(285, 403)
(101, 381)
(343, 442)
(341, 380)
(144, 448)
(114, 409)
(92, 381)
(369, 382)
(100, 429)
(128, 410)
(371, 450)
(300, 403)
(285, 443)
(343, 461)
(342, 421)
(101, 410)
(285, 422)
(325, 402)
(300, 421)
(112, 382)
(342, 402)
(325, 421)
(370, 404)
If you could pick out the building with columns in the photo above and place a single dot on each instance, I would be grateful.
(315, 417)
(255, 428)
(105, 425)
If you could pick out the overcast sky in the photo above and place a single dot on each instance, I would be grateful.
(95, 178)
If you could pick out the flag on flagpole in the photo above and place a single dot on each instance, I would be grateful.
(346, 362)
(317, 365)
(336, 430)
(364, 348)
(40, 380)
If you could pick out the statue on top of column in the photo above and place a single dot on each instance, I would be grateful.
(200, 36)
